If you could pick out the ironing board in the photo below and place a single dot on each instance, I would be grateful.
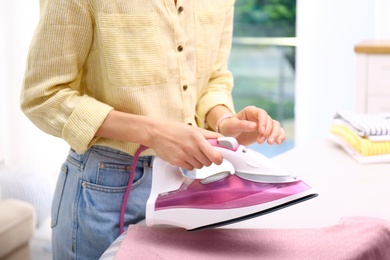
(352, 239)
(347, 191)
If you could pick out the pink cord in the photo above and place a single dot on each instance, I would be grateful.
(128, 189)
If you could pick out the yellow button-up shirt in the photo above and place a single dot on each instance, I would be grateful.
(143, 57)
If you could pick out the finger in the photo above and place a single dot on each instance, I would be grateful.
(269, 127)
(187, 166)
(233, 126)
(194, 156)
(263, 119)
(201, 158)
(242, 126)
(276, 131)
(209, 154)
(255, 114)
(282, 136)
(194, 163)
(264, 135)
(197, 158)
(182, 163)
(191, 162)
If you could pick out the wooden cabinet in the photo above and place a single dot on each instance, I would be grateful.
(373, 76)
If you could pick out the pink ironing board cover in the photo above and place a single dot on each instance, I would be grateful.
(352, 238)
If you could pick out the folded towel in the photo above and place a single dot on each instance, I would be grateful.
(353, 238)
(375, 127)
(363, 146)
(382, 158)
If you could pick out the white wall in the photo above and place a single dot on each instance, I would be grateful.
(22, 146)
(382, 21)
(327, 31)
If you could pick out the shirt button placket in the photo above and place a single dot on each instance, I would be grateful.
(180, 48)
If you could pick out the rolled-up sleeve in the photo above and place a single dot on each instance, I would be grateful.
(219, 87)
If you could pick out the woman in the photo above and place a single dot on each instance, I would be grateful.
(108, 76)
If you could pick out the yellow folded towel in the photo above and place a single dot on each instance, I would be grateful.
(362, 145)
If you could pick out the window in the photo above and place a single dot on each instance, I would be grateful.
(263, 62)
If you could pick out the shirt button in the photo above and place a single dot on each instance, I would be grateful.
(180, 9)
(180, 48)
(185, 87)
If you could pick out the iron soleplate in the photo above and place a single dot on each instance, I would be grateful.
(256, 214)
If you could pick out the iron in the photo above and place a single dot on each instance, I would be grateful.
(256, 186)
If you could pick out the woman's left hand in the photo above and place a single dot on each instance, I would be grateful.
(251, 125)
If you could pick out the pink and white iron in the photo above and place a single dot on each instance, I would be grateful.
(257, 187)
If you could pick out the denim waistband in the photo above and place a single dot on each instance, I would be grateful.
(109, 152)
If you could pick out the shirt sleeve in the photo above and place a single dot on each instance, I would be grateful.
(52, 93)
(219, 88)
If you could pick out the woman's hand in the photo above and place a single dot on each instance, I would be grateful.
(185, 146)
(252, 124)
(177, 143)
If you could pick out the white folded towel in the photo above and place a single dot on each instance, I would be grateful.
(375, 127)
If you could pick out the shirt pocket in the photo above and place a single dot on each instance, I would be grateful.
(133, 49)
(209, 25)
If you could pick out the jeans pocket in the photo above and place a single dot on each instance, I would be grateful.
(115, 174)
(57, 198)
(101, 201)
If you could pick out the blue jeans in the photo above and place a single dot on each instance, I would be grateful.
(88, 198)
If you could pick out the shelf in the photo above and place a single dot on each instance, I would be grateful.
(373, 47)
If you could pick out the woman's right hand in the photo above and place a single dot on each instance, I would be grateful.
(185, 146)
(179, 144)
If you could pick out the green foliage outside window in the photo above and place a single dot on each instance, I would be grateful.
(264, 74)
(265, 18)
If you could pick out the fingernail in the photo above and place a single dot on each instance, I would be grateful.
(271, 140)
